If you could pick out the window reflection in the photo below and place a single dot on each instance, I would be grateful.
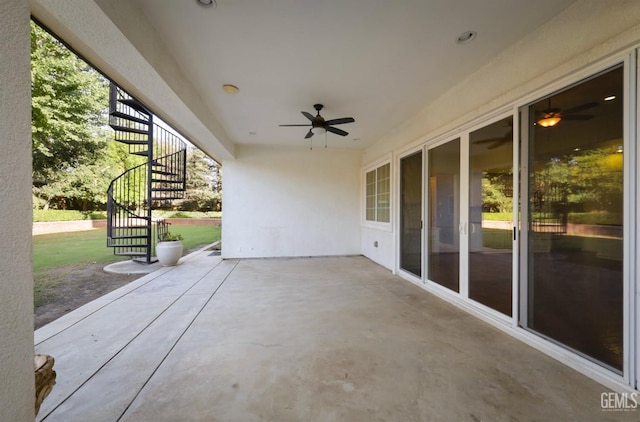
(575, 221)
(444, 215)
(491, 215)
(411, 214)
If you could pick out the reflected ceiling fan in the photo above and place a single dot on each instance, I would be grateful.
(319, 125)
(498, 142)
(552, 116)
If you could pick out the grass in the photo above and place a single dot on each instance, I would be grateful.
(497, 216)
(72, 215)
(186, 214)
(59, 249)
(497, 238)
(593, 217)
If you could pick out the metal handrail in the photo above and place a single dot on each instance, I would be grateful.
(161, 178)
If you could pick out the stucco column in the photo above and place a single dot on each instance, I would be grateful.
(16, 280)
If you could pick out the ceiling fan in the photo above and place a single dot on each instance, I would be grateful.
(320, 125)
(552, 116)
(499, 141)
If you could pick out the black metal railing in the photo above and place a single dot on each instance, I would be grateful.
(169, 171)
(154, 183)
(549, 209)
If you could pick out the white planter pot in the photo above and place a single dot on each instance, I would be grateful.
(169, 253)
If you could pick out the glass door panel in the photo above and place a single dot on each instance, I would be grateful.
(574, 218)
(411, 214)
(444, 215)
(491, 215)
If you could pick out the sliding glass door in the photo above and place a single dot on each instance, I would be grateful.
(444, 215)
(411, 214)
(491, 215)
(573, 199)
(570, 227)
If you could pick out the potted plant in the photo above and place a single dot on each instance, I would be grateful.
(169, 249)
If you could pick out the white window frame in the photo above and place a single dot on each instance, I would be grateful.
(385, 225)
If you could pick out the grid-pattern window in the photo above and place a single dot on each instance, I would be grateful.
(379, 194)
(371, 196)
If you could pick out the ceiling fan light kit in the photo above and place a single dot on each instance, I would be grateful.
(230, 89)
(549, 121)
(552, 116)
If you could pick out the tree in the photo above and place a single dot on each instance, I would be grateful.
(494, 198)
(69, 107)
(204, 180)
(84, 186)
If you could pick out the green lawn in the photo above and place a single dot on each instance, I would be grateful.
(69, 215)
(54, 250)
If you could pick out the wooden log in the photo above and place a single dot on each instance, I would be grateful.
(45, 378)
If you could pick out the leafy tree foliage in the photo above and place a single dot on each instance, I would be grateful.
(84, 186)
(590, 180)
(204, 183)
(74, 155)
(69, 106)
(496, 192)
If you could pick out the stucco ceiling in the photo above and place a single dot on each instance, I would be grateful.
(380, 62)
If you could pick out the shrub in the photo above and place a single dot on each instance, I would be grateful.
(67, 215)
(181, 214)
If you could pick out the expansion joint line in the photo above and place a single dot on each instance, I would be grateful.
(175, 343)
(140, 333)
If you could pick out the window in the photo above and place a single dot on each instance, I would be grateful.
(575, 277)
(378, 194)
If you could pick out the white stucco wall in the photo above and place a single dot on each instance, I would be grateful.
(384, 252)
(564, 47)
(291, 202)
(17, 389)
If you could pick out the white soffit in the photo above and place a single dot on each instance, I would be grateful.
(377, 61)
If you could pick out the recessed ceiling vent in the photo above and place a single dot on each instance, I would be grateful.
(207, 3)
(466, 37)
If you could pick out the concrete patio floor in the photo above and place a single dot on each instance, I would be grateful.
(308, 339)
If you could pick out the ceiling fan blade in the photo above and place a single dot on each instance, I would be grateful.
(307, 115)
(297, 125)
(497, 144)
(577, 117)
(549, 111)
(309, 134)
(340, 121)
(336, 131)
(582, 107)
(485, 141)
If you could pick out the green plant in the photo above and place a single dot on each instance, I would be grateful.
(170, 237)
(181, 214)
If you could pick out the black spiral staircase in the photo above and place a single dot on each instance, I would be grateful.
(153, 184)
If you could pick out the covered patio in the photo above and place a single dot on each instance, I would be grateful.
(291, 339)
